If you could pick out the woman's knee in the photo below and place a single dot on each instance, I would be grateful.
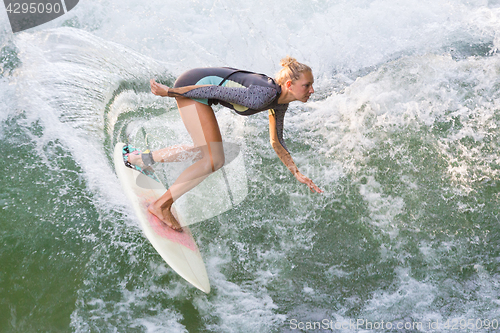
(212, 162)
(218, 161)
(217, 157)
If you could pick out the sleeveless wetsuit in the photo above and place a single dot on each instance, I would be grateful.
(245, 92)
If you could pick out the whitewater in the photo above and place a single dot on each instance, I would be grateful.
(402, 134)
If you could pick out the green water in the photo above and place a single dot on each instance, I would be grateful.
(402, 134)
(47, 218)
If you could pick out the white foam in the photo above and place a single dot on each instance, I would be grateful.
(412, 303)
(233, 307)
(7, 105)
(403, 53)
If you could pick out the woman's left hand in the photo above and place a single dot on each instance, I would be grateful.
(304, 180)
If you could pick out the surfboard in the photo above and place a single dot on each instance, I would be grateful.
(178, 249)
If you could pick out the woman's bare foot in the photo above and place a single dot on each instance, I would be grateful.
(165, 215)
(158, 89)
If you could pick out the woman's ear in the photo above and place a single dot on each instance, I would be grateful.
(288, 84)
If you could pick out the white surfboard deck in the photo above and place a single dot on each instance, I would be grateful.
(178, 249)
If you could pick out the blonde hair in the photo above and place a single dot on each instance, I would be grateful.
(291, 70)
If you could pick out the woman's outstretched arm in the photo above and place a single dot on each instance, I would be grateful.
(276, 138)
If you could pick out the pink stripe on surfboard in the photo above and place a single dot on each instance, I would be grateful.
(183, 238)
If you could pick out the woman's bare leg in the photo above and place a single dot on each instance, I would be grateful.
(177, 153)
(202, 125)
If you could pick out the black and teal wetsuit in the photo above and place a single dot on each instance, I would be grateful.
(245, 92)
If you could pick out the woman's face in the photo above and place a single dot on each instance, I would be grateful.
(303, 87)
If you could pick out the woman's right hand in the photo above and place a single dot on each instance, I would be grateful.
(304, 180)
(158, 88)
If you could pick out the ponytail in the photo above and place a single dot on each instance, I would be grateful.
(291, 70)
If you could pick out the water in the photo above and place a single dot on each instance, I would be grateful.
(402, 134)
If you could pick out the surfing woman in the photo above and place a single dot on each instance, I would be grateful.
(246, 93)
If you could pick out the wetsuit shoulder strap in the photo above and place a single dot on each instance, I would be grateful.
(237, 71)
